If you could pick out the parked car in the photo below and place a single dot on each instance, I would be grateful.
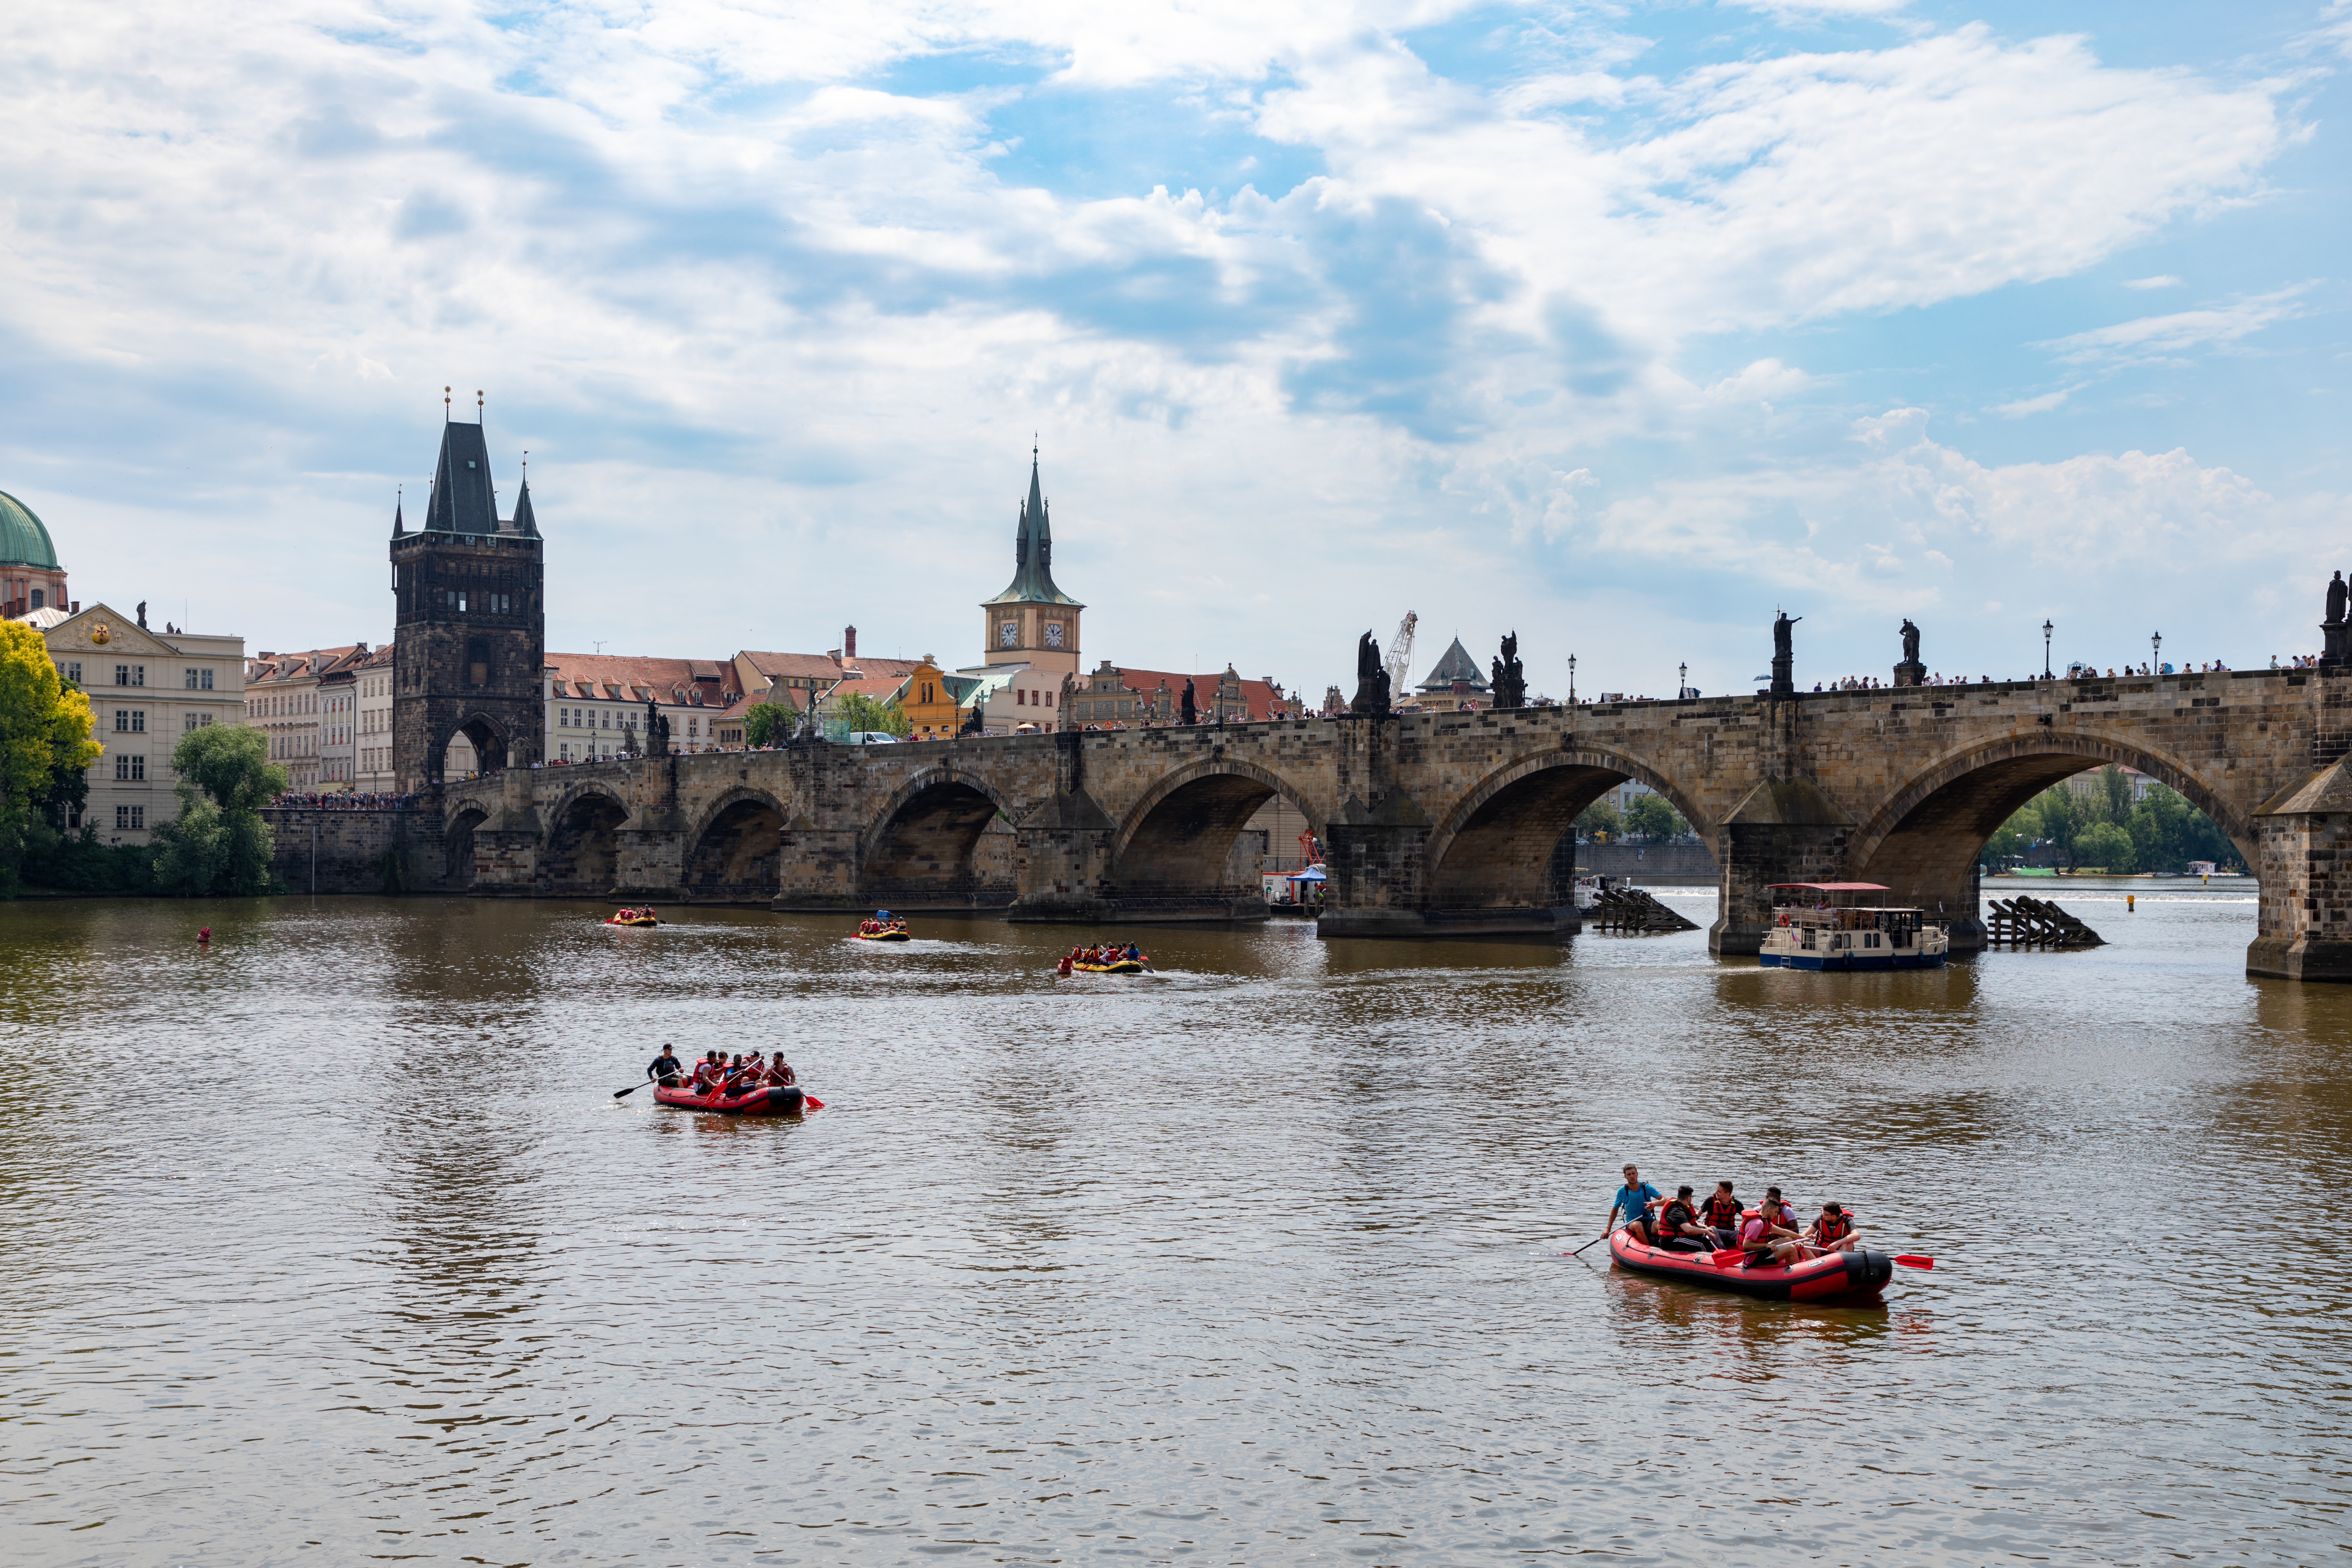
(871, 738)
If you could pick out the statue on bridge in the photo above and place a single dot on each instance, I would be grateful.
(1910, 672)
(1784, 655)
(2332, 652)
(657, 732)
(1509, 682)
(1371, 679)
(1191, 713)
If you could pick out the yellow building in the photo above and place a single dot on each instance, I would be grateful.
(932, 700)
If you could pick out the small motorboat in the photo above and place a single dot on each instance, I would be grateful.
(1834, 1277)
(636, 918)
(771, 1100)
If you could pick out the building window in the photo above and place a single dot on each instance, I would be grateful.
(122, 675)
(73, 673)
(130, 818)
(138, 720)
(36, 598)
(138, 675)
(190, 678)
(131, 769)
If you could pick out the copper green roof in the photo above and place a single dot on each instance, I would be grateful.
(23, 541)
(1033, 554)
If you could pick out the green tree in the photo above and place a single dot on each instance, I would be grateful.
(2115, 790)
(769, 723)
(220, 844)
(44, 742)
(2105, 845)
(1599, 817)
(867, 715)
(1654, 818)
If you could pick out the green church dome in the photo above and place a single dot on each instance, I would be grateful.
(23, 541)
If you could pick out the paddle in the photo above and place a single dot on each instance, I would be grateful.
(1602, 1238)
(1913, 1260)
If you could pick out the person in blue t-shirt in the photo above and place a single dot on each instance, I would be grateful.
(1634, 1200)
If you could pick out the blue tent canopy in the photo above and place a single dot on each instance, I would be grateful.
(1312, 874)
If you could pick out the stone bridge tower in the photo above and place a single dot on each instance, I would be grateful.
(471, 626)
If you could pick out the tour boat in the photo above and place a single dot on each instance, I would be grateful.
(1124, 966)
(1826, 925)
(634, 920)
(773, 1099)
(1856, 1275)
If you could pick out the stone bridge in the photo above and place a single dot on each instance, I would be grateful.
(1442, 823)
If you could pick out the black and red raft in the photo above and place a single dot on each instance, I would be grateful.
(1856, 1275)
(769, 1099)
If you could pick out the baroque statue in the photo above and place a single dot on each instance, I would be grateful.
(1509, 676)
(1371, 679)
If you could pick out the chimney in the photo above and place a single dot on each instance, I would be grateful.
(849, 645)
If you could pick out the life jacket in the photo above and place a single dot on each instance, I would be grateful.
(1833, 1228)
(1721, 1209)
(1671, 1219)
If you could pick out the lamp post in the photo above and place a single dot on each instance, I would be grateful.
(1682, 681)
(1571, 680)
(2156, 653)
(2045, 650)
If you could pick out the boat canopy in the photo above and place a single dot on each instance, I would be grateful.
(1834, 887)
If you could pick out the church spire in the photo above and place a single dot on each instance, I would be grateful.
(398, 528)
(1032, 551)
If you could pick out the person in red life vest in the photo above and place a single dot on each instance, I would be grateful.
(1720, 1213)
(706, 1073)
(780, 1072)
(1679, 1229)
(1832, 1231)
(204, 935)
(1067, 959)
(1770, 1236)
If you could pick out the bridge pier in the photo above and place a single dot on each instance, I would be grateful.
(507, 844)
(1784, 830)
(818, 869)
(2303, 930)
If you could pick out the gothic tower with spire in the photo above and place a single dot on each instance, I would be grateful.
(470, 621)
(1033, 622)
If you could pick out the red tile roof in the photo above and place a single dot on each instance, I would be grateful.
(1257, 695)
(620, 677)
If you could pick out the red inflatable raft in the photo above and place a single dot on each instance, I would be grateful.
(1836, 1277)
(775, 1099)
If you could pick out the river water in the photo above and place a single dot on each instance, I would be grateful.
(331, 1244)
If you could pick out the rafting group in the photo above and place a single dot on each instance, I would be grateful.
(1106, 958)
(643, 917)
(1765, 1250)
(883, 926)
(747, 1084)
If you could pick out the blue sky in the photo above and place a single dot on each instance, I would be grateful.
(1620, 326)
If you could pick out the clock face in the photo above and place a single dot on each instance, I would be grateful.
(1009, 633)
(1052, 634)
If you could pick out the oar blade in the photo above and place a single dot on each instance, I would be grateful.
(1726, 1258)
(1913, 1260)
(813, 1102)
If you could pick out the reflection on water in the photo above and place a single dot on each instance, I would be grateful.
(336, 1235)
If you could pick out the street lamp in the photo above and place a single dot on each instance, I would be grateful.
(1571, 680)
(1681, 677)
(2045, 650)
(2156, 653)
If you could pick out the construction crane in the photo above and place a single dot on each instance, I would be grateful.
(1400, 657)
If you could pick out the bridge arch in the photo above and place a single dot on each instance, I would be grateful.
(1495, 846)
(582, 858)
(485, 734)
(938, 841)
(1177, 840)
(457, 843)
(1923, 841)
(736, 850)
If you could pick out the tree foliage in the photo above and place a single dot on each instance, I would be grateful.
(769, 723)
(1653, 817)
(44, 742)
(2104, 826)
(865, 714)
(219, 845)
(1601, 816)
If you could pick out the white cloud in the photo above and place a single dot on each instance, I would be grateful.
(2161, 337)
(2042, 405)
(2162, 281)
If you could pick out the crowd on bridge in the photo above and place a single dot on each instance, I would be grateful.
(345, 800)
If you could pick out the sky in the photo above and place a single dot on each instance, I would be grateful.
(1618, 326)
